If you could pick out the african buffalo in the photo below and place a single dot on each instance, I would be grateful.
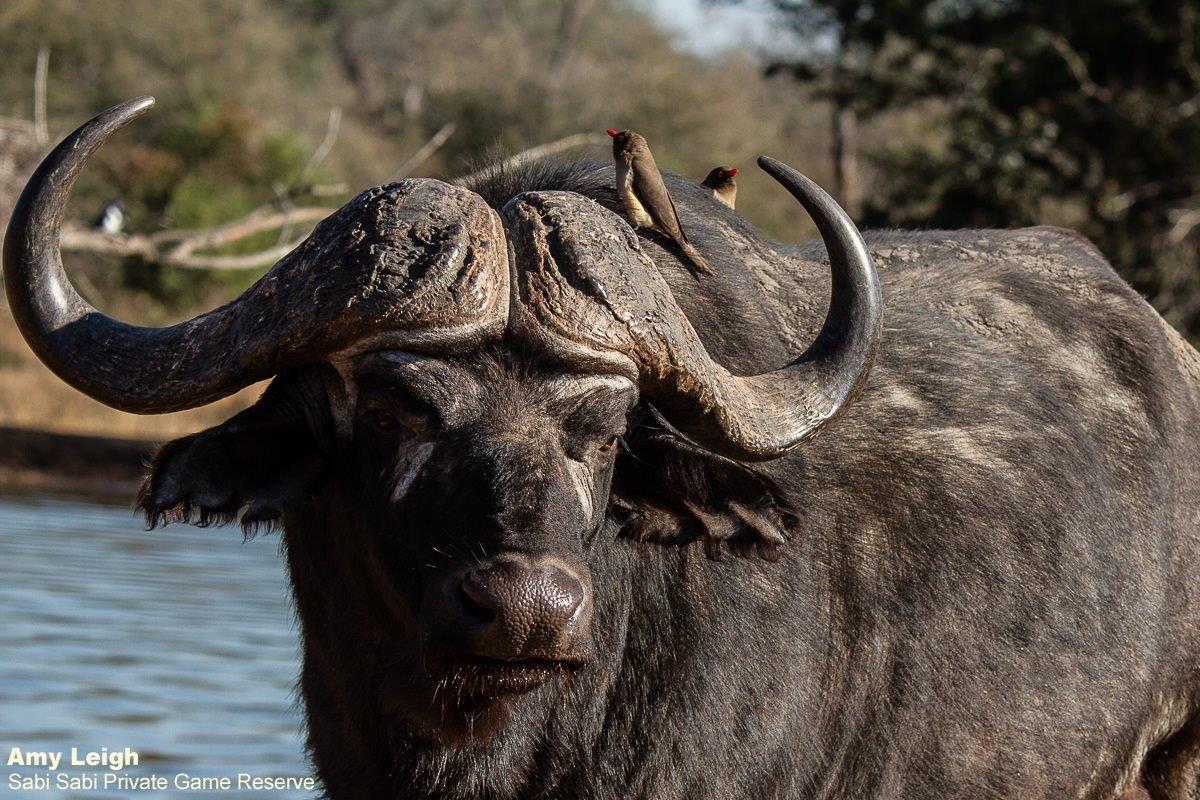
(560, 523)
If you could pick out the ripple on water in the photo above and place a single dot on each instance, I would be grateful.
(178, 643)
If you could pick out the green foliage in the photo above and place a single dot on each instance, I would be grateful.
(281, 157)
(172, 287)
(199, 201)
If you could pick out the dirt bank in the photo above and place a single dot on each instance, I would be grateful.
(41, 461)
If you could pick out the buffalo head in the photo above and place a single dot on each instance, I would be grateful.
(452, 386)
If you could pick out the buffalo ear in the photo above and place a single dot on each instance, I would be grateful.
(262, 461)
(669, 491)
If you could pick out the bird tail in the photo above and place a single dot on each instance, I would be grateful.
(698, 261)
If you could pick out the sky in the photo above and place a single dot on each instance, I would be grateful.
(703, 25)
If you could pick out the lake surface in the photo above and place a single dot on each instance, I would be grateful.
(178, 643)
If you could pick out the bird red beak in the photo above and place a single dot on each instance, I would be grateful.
(612, 132)
(732, 171)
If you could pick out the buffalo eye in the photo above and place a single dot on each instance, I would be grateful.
(384, 421)
(610, 444)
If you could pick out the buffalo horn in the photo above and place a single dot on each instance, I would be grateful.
(418, 264)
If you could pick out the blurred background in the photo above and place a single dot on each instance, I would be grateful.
(921, 113)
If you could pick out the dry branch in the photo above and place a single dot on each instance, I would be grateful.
(324, 148)
(329, 189)
(152, 248)
(238, 229)
(40, 134)
(1183, 222)
(1079, 70)
(424, 152)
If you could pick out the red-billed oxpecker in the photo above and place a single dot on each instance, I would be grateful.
(647, 202)
(724, 187)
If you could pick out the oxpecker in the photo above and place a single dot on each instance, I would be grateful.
(724, 187)
(647, 202)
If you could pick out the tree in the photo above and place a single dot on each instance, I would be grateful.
(1083, 114)
(848, 50)
(1080, 114)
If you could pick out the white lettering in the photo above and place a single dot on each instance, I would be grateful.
(115, 760)
(33, 758)
(191, 784)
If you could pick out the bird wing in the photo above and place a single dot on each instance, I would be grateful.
(652, 192)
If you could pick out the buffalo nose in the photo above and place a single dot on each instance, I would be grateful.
(530, 610)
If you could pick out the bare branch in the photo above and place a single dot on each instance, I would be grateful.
(283, 199)
(262, 258)
(238, 229)
(323, 149)
(88, 288)
(40, 134)
(79, 239)
(150, 247)
(1122, 202)
(533, 153)
(1079, 70)
(1183, 222)
(329, 189)
(424, 152)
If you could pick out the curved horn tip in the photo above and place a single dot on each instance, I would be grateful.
(100, 127)
(768, 164)
(130, 109)
(781, 171)
(145, 100)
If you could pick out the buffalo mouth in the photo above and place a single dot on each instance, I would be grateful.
(478, 678)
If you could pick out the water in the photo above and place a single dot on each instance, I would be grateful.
(179, 644)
